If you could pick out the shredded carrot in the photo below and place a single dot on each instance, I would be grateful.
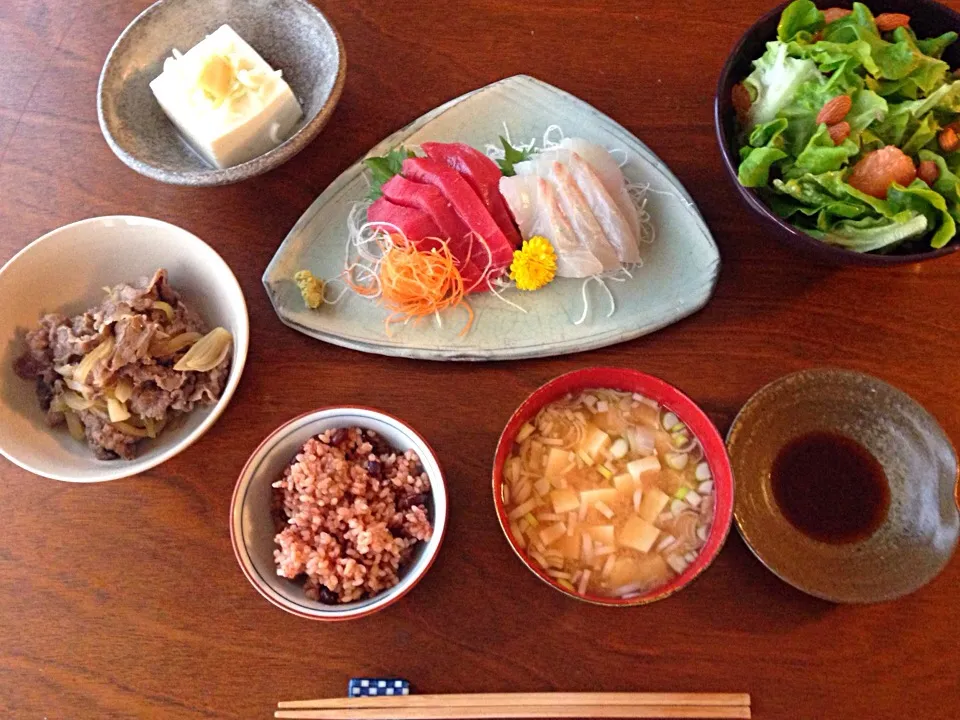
(415, 284)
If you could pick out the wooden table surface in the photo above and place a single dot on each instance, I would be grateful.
(123, 599)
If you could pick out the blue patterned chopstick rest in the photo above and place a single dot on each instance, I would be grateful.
(376, 687)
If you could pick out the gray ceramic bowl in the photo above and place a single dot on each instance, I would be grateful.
(290, 34)
(920, 532)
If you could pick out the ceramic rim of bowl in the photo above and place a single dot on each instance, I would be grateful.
(233, 379)
(667, 396)
(245, 478)
(263, 163)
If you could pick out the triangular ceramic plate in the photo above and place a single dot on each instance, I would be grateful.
(677, 278)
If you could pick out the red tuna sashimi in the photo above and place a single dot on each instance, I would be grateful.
(427, 198)
(467, 204)
(484, 177)
(420, 230)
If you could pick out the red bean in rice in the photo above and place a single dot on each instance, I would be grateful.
(354, 509)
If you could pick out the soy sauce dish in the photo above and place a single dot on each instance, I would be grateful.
(847, 488)
(613, 487)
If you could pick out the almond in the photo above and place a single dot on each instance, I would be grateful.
(948, 139)
(740, 97)
(839, 132)
(928, 172)
(834, 110)
(891, 21)
(832, 14)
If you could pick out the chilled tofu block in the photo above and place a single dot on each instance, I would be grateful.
(639, 468)
(551, 534)
(603, 534)
(594, 441)
(557, 462)
(624, 483)
(604, 495)
(638, 534)
(653, 503)
(564, 501)
(225, 100)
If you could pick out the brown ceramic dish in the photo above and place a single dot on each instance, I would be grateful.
(927, 17)
(919, 534)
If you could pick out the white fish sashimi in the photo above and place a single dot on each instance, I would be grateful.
(536, 208)
(605, 209)
(581, 217)
(610, 175)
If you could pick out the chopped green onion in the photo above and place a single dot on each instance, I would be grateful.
(585, 457)
(679, 439)
(682, 492)
(566, 584)
(531, 520)
(678, 427)
(526, 431)
(605, 471)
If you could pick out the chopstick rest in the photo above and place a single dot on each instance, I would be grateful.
(377, 687)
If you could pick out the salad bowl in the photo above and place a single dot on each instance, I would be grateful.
(927, 18)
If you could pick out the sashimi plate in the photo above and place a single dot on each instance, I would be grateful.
(677, 277)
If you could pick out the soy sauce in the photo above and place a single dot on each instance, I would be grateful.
(830, 487)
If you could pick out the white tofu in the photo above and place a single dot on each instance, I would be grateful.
(259, 113)
(638, 534)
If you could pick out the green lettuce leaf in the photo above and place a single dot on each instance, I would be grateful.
(919, 198)
(948, 182)
(754, 171)
(775, 80)
(821, 155)
(872, 234)
(800, 16)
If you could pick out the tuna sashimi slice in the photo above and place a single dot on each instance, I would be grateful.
(484, 177)
(468, 206)
(413, 223)
(401, 191)
(422, 231)
(536, 207)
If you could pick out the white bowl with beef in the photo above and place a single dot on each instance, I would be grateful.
(124, 340)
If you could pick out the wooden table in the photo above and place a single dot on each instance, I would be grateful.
(124, 599)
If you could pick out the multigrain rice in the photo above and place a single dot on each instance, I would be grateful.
(353, 510)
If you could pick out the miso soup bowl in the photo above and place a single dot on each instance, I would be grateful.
(252, 528)
(671, 399)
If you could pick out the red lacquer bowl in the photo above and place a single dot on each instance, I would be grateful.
(625, 380)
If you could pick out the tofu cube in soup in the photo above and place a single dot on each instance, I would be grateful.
(607, 496)
(557, 462)
(653, 503)
(564, 501)
(552, 533)
(643, 466)
(624, 483)
(569, 546)
(638, 534)
(603, 534)
(595, 441)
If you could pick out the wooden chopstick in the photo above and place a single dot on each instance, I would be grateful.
(529, 711)
(519, 699)
(520, 705)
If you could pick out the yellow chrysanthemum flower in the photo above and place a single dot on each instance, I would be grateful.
(534, 264)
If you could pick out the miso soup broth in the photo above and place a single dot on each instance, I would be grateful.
(609, 493)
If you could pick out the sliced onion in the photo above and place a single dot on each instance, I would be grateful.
(128, 429)
(162, 348)
(117, 410)
(668, 420)
(76, 402)
(208, 352)
(705, 487)
(166, 307)
(74, 425)
(124, 390)
(703, 471)
(100, 352)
